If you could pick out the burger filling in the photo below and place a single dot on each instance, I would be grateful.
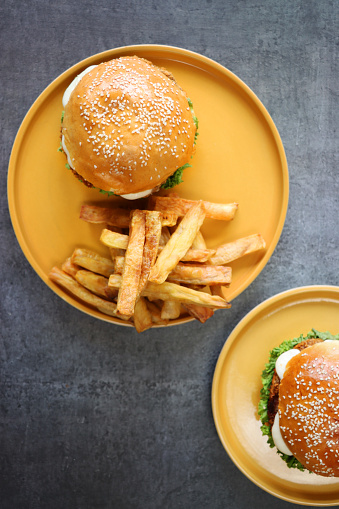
(269, 395)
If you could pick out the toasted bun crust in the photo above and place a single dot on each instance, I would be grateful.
(309, 408)
(127, 126)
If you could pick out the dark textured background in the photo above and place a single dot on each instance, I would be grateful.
(94, 415)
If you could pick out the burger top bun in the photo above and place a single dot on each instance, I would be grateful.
(309, 408)
(127, 126)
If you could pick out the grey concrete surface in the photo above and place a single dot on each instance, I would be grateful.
(93, 416)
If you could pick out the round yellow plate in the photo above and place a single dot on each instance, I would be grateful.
(237, 383)
(239, 157)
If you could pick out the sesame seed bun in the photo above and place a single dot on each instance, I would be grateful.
(309, 408)
(127, 126)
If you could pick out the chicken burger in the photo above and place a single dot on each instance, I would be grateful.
(127, 128)
(299, 406)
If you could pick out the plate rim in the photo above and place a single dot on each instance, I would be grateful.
(231, 338)
(113, 53)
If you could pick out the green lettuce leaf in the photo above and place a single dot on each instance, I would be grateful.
(266, 379)
(195, 120)
(176, 178)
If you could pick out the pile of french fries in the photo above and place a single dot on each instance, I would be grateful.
(158, 267)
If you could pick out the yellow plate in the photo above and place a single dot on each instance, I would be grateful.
(239, 157)
(237, 383)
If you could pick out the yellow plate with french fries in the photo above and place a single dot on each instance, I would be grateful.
(186, 253)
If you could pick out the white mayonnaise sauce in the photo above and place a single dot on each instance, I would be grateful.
(66, 151)
(71, 87)
(280, 366)
(136, 196)
(277, 437)
(282, 361)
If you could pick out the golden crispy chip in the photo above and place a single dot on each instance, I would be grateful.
(156, 314)
(219, 290)
(180, 206)
(142, 317)
(92, 261)
(171, 309)
(172, 291)
(198, 255)
(199, 241)
(102, 215)
(115, 251)
(169, 219)
(200, 274)
(128, 291)
(165, 236)
(95, 283)
(69, 267)
(230, 251)
(111, 293)
(179, 243)
(67, 282)
(152, 238)
(119, 264)
(117, 216)
(114, 239)
(192, 255)
(200, 313)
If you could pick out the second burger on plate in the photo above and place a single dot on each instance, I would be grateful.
(299, 406)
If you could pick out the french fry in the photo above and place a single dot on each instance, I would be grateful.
(117, 216)
(200, 274)
(120, 241)
(200, 313)
(128, 291)
(152, 238)
(171, 309)
(219, 290)
(95, 283)
(165, 236)
(102, 215)
(75, 288)
(115, 251)
(180, 206)
(69, 267)
(199, 241)
(92, 261)
(198, 255)
(114, 239)
(231, 251)
(172, 291)
(119, 264)
(142, 317)
(198, 251)
(156, 314)
(179, 243)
